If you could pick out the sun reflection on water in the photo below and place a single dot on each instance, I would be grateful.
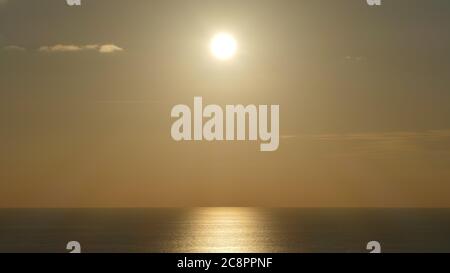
(224, 230)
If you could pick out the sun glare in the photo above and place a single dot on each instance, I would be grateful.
(223, 46)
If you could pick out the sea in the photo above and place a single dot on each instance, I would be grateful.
(224, 230)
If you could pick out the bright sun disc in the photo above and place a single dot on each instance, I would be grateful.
(223, 46)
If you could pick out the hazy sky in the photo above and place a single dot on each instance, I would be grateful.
(86, 95)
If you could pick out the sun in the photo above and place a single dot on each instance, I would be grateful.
(223, 46)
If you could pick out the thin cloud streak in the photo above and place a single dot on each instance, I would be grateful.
(104, 49)
(433, 141)
(129, 102)
(388, 136)
(14, 48)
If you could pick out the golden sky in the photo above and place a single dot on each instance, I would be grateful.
(86, 95)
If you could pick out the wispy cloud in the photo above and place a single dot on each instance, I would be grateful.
(104, 49)
(385, 136)
(109, 49)
(14, 48)
(433, 141)
(391, 136)
(129, 102)
(355, 59)
(60, 48)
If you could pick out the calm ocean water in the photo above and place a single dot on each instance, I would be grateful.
(225, 230)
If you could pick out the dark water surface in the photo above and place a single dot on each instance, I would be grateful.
(225, 230)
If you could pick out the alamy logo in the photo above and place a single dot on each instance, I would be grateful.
(74, 247)
(229, 125)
